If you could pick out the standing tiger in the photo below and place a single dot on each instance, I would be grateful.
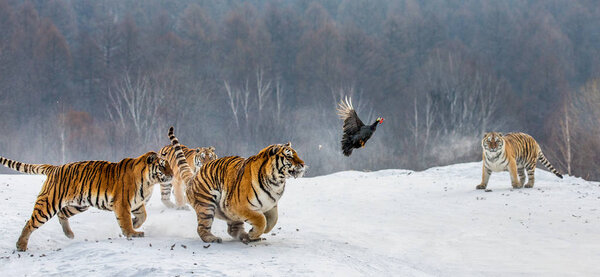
(195, 158)
(239, 190)
(72, 188)
(514, 152)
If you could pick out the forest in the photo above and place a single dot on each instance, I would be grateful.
(104, 79)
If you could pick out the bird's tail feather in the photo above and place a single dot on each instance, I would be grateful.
(347, 146)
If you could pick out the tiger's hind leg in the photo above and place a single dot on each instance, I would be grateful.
(63, 217)
(512, 171)
(165, 195)
(41, 214)
(530, 177)
(205, 213)
(236, 229)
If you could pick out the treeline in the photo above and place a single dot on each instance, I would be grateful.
(92, 79)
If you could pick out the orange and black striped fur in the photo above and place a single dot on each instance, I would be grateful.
(239, 190)
(195, 158)
(72, 188)
(515, 152)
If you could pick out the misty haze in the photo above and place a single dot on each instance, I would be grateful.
(85, 80)
(103, 80)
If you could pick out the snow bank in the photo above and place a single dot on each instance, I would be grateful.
(389, 222)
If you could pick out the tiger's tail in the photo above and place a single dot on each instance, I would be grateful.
(40, 169)
(546, 163)
(185, 173)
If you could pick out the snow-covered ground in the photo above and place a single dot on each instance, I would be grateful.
(389, 222)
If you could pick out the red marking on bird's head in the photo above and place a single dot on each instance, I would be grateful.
(380, 120)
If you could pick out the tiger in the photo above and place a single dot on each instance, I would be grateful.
(72, 188)
(514, 152)
(239, 190)
(195, 158)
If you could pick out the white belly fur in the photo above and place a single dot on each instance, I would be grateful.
(497, 164)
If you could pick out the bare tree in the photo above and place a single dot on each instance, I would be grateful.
(108, 38)
(420, 128)
(62, 128)
(136, 104)
(278, 99)
(263, 88)
(453, 104)
(582, 123)
(242, 98)
(566, 135)
(233, 99)
(487, 90)
(245, 91)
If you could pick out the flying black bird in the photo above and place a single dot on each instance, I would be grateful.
(356, 133)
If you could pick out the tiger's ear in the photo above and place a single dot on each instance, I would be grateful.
(198, 150)
(289, 144)
(500, 134)
(273, 151)
(152, 157)
(212, 148)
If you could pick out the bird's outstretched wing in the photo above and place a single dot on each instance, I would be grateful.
(346, 112)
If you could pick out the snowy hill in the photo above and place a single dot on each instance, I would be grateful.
(390, 222)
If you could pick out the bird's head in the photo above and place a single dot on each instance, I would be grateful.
(378, 121)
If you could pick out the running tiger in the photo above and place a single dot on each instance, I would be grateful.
(239, 190)
(514, 152)
(72, 188)
(195, 158)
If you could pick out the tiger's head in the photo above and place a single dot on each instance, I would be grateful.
(204, 155)
(158, 168)
(285, 160)
(493, 142)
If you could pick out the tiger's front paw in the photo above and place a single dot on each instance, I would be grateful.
(69, 234)
(169, 204)
(137, 223)
(481, 186)
(21, 246)
(529, 185)
(246, 238)
(517, 185)
(183, 208)
(134, 234)
(211, 238)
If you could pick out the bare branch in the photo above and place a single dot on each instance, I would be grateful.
(232, 96)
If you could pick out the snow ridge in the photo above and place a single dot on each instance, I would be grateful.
(389, 222)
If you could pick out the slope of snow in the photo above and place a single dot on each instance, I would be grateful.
(389, 222)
